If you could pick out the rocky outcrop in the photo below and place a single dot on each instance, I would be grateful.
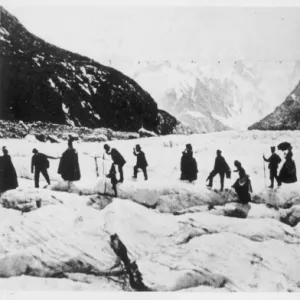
(41, 82)
(56, 133)
(285, 117)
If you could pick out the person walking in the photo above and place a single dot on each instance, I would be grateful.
(274, 160)
(221, 167)
(117, 159)
(141, 162)
(40, 164)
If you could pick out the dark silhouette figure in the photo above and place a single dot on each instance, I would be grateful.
(288, 172)
(69, 166)
(189, 168)
(221, 167)
(274, 160)
(141, 162)
(40, 164)
(8, 175)
(135, 276)
(113, 179)
(117, 159)
(242, 185)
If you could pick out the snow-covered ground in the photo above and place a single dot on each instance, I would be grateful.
(194, 250)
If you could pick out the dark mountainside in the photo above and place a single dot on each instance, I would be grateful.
(285, 117)
(41, 82)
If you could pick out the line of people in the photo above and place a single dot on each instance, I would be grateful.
(68, 166)
(242, 185)
(119, 161)
(70, 171)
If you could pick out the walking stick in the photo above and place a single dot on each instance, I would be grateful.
(96, 163)
(104, 175)
(264, 173)
(172, 172)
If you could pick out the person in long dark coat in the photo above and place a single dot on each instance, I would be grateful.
(274, 160)
(8, 175)
(242, 185)
(221, 167)
(69, 166)
(189, 168)
(117, 159)
(141, 162)
(288, 172)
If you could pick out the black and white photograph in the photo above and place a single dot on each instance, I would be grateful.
(149, 146)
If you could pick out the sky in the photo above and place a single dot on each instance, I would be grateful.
(126, 35)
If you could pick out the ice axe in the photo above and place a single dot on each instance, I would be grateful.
(104, 175)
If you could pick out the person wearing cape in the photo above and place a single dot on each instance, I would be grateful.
(288, 172)
(8, 175)
(189, 168)
(69, 166)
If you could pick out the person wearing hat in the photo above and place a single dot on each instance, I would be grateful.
(274, 160)
(221, 167)
(141, 162)
(69, 165)
(188, 165)
(117, 159)
(8, 175)
(40, 164)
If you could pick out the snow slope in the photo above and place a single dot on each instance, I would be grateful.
(195, 250)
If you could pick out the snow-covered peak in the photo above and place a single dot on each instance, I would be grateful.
(226, 91)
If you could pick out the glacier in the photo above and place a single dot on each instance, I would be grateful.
(178, 243)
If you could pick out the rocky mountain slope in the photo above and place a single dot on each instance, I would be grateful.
(41, 82)
(285, 117)
(214, 96)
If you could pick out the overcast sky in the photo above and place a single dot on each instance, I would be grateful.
(177, 34)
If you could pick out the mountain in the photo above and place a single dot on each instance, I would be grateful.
(217, 96)
(41, 82)
(285, 117)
